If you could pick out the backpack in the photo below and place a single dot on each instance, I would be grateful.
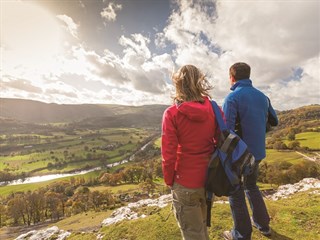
(230, 161)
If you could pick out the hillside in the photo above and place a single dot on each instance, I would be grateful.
(110, 115)
(294, 211)
(307, 116)
(39, 112)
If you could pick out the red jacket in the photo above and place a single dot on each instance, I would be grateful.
(189, 131)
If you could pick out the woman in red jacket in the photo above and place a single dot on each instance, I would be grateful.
(188, 136)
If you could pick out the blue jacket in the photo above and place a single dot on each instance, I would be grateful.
(248, 107)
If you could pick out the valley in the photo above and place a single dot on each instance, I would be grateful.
(88, 167)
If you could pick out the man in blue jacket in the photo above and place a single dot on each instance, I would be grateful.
(246, 110)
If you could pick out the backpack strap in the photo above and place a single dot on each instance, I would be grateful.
(218, 115)
(228, 145)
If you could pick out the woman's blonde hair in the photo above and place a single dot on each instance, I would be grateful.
(191, 84)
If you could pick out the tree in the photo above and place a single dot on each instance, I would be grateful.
(3, 211)
(35, 205)
(77, 207)
(88, 156)
(279, 145)
(294, 145)
(81, 199)
(96, 199)
(53, 205)
(148, 186)
(291, 135)
(297, 172)
(105, 178)
(115, 178)
(273, 174)
(16, 208)
(65, 154)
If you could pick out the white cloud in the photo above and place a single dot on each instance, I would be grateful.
(188, 21)
(273, 37)
(19, 84)
(136, 45)
(145, 73)
(301, 91)
(163, 61)
(60, 88)
(71, 26)
(109, 12)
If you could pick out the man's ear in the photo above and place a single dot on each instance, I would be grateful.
(232, 79)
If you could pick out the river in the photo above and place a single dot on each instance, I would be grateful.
(48, 177)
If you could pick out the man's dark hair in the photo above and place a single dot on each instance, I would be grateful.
(240, 71)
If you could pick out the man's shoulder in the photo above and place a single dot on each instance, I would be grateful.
(246, 90)
(232, 95)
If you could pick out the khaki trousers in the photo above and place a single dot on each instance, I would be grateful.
(190, 210)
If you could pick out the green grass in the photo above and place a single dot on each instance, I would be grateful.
(157, 143)
(295, 218)
(75, 223)
(278, 156)
(309, 139)
(43, 153)
(6, 190)
(115, 189)
(265, 186)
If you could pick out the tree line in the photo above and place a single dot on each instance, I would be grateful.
(283, 172)
(65, 198)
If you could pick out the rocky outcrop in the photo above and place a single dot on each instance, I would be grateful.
(287, 190)
(49, 233)
(128, 212)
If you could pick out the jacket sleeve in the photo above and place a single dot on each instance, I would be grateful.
(272, 115)
(169, 145)
(230, 112)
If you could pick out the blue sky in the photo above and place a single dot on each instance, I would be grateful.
(124, 51)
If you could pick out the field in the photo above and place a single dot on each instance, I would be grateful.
(115, 189)
(113, 135)
(274, 156)
(63, 152)
(309, 139)
(6, 190)
(59, 152)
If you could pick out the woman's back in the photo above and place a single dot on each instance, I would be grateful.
(194, 126)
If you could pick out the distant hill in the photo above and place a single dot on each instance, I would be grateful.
(29, 111)
(19, 112)
(300, 116)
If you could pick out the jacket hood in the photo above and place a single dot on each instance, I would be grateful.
(195, 111)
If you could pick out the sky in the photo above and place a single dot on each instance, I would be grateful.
(125, 51)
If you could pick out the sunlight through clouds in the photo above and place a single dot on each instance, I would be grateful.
(71, 26)
(30, 37)
(119, 52)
